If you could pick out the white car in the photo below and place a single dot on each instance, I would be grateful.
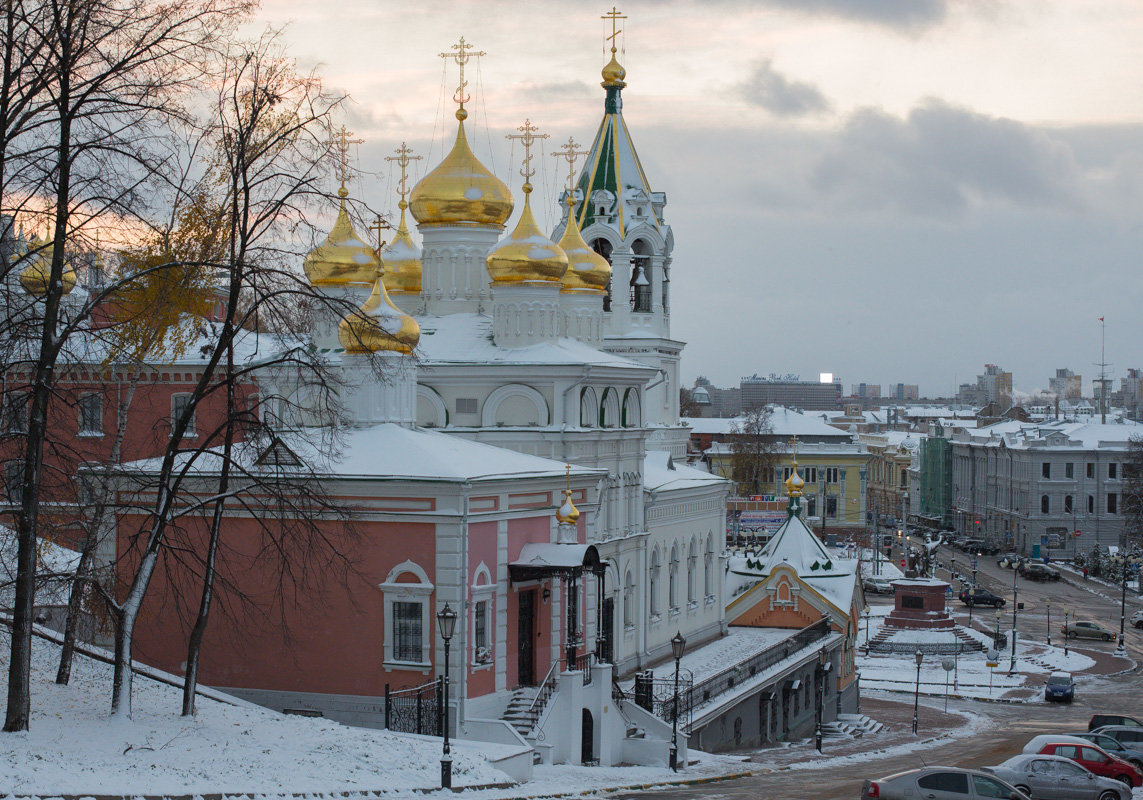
(877, 585)
(1137, 619)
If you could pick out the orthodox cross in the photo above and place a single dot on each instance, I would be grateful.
(794, 446)
(379, 225)
(528, 138)
(403, 160)
(569, 153)
(463, 54)
(614, 16)
(341, 140)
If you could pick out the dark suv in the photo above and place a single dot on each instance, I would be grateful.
(1036, 571)
(980, 597)
(1099, 720)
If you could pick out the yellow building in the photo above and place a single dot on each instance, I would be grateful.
(890, 454)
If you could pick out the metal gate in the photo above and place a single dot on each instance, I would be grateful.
(416, 710)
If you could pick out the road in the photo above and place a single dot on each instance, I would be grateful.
(998, 730)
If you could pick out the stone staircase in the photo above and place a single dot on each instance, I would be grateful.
(851, 726)
(518, 713)
(897, 640)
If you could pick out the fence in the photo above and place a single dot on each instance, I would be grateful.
(416, 710)
(658, 696)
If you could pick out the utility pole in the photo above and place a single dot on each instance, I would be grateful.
(1103, 365)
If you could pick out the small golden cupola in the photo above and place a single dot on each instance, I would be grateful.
(401, 258)
(794, 483)
(36, 276)
(567, 513)
(613, 73)
(527, 255)
(378, 326)
(343, 259)
(587, 269)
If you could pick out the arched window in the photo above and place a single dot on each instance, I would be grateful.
(673, 583)
(708, 568)
(692, 568)
(641, 282)
(629, 601)
(1068, 505)
(603, 247)
(1045, 504)
(653, 584)
(588, 408)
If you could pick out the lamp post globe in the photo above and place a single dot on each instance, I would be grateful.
(1048, 607)
(446, 624)
(678, 644)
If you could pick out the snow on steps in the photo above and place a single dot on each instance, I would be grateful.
(520, 714)
(851, 726)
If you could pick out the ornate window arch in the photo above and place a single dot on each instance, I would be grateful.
(632, 416)
(483, 616)
(523, 397)
(708, 567)
(653, 582)
(642, 279)
(609, 408)
(692, 569)
(408, 639)
(588, 408)
(629, 611)
(431, 409)
(673, 579)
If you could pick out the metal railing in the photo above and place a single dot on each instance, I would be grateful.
(582, 662)
(415, 710)
(544, 693)
(657, 695)
(730, 677)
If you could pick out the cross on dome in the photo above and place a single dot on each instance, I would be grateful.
(378, 224)
(528, 138)
(403, 159)
(614, 16)
(342, 140)
(464, 53)
(569, 153)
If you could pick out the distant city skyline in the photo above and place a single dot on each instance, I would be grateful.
(892, 191)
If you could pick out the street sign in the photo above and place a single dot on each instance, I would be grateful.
(902, 563)
(992, 658)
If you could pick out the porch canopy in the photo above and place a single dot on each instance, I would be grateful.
(539, 561)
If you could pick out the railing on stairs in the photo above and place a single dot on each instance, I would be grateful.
(544, 693)
(582, 663)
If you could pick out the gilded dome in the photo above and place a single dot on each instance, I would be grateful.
(378, 326)
(567, 514)
(460, 190)
(587, 269)
(526, 255)
(613, 73)
(402, 260)
(343, 258)
(794, 483)
(35, 276)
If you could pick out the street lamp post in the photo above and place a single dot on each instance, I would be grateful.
(972, 589)
(1121, 650)
(822, 672)
(867, 615)
(1067, 613)
(917, 690)
(677, 645)
(1015, 608)
(948, 665)
(446, 623)
(996, 639)
(1048, 606)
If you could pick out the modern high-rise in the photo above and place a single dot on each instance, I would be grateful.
(1066, 385)
(791, 392)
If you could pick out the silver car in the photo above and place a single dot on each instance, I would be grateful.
(1055, 778)
(941, 783)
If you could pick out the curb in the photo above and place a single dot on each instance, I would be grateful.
(953, 696)
(634, 787)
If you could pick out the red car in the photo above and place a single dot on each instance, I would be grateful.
(1098, 761)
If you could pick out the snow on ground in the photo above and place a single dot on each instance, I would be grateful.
(74, 747)
(888, 569)
(738, 645)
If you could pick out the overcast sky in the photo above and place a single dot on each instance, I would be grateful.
(890, 190)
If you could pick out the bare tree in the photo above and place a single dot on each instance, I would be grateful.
(1133, 494)
(753, 452)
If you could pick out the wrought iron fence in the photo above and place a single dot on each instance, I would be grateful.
(582, 662)
(415, 710)
(658, 696)
(730, 677)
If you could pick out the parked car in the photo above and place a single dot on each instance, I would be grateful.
(972, 545)
(1130, 736)
(1086, 630)
(1129, 750)
(1008, 560)
(940, 783)
(1035, 571)
(1094, 758)
(1102, 720)
(980, 597)
(1057, 777)
(877, 585)
(1137, 619)
(1060, 686)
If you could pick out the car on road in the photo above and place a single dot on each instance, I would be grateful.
(1137, 619)
(1060, 686)
(1130, 736)
(1009, 560)
(1054, 777)
(1129, 750)
(972, 545)
(1086, 630)
(877, 585)
(1035, 571)
(980, 597)
(940, 783)
(1092, 757)
(1102, 720)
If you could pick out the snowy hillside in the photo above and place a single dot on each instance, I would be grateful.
(73, 746)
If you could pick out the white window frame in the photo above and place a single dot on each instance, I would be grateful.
(673, 581)
(175, 398)
(395, 592)
(692, 578)
(629, 610)
(653, 584)
(484, 593)
(98, 418)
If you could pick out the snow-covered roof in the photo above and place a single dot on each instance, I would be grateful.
(467, 339)
(1054, 433)
(55, 565)
(784, 423)
(662, 473)
(393, 452)
(558, 556)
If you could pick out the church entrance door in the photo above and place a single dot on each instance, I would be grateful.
(525, 627)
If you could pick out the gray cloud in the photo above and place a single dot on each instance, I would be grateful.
(769, 89)
(546, 92)
(906, 15)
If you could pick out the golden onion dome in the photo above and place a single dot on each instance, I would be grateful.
(587, 269)
(343, 258)
(460, 190)
(526, 255)
(567, 513)
(378, 326)
(794, 483)
(36, 276)
(402, 260)
(613, 73)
